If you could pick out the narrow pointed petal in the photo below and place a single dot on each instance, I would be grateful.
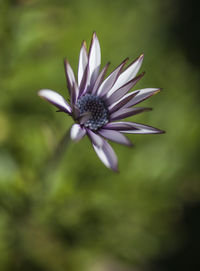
(133, 128)
(107, 155)
(119, 93)
(96, 139)
(74, 93)
(69, 75)
(122, 102)
(115, 136)
(127, 112)
(71, 82)
(76, 112)
(56, 99)
(104, 151)
(77, 132)
(84, 86)
(94, 59)
(142, 129)
(110, 80)
(83, 61)
(142, 94)
(100, 78)
(119, 126)
(128, 74)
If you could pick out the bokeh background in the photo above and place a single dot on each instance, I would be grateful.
(81, 216)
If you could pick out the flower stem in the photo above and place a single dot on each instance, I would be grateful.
(52, 162)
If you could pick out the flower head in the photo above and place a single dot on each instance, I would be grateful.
(97, 104)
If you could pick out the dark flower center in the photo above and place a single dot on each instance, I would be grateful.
(95, 106)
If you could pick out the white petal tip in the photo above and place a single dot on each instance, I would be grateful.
(77, 132)
(47, 93)
(41, 93)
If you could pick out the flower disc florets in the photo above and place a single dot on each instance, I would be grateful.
(95, 106)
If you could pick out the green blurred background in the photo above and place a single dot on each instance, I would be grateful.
(83, 216)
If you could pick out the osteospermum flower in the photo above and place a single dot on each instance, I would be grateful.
(97, 104)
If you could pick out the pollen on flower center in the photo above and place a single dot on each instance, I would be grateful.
(96, 107)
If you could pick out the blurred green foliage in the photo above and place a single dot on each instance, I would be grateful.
(84, 216)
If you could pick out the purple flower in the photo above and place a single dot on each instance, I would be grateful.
(97, 105)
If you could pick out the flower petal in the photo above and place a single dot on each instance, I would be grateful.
(84, 86)
(107, 155)
(69, 75)
(132, 128)
(127, 112)
(110, 80)
(56, 99)
(122, 102)
(115, 136)
(74, 93)
(130, 72)
(119, 93)
(83, 61)
(141, 95)
(100, 78)
(143, 129)
(71, 82)
(96, 139)
(77, 132)
(94, 59)
(118, 125)
(104, 151)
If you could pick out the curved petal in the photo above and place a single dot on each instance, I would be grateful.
(100, 78)
(74, 93)
(141, 95)
(128, 74)
(84, 86)
(115, 136)
(122, 102)
(119, 93)
(138, 128)
(77, 132)
(132, 128)
(107, 155)
(96, 139)
(104, 151)
(118, 125)
(56, 99)
(127, 112)
(71, 81)
(69, 75)
(110, 80)
(83, 61)
(94, 59)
